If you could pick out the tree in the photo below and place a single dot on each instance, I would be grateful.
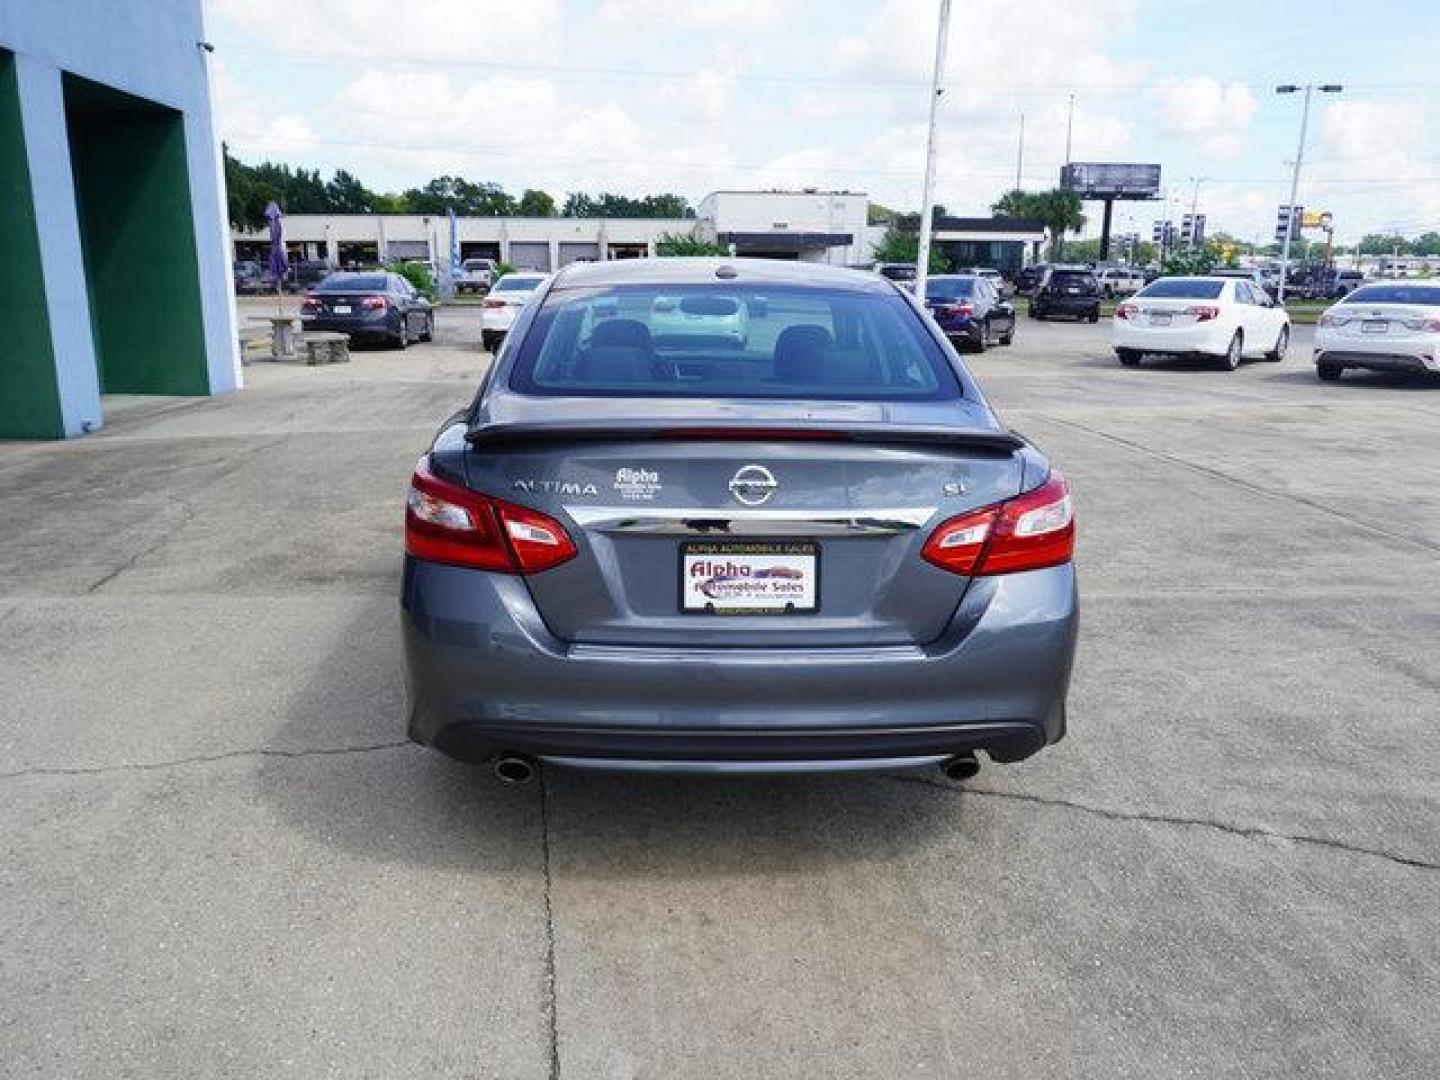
(902, 245)
(1383, 244)
(1196, 260)
(606, 205)
(443, 193)
(346, 195)
(1058, 209)
(673, 244)
(1426, 244)
(535, 203)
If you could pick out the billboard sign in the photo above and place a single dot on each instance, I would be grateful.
(1111, 180)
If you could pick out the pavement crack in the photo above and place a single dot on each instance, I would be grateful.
(1247, 832)
(1236, 481)
(552, 1018)
(202, 759)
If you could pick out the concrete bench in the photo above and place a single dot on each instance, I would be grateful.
(325, 347)
(254, 342)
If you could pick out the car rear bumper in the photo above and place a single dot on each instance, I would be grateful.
(1420, 360)
(1077, 306)
(486, 676)
(380, 324)
(1211, 338)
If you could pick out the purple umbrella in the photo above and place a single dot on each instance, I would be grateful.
(279, 264)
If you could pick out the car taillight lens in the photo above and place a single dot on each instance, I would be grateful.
(1422, 324)
(1124, 311)
(956, 310)
(374, 302)
(447, 523)
(1029, 532)
(309, 305)
(1326, 320)
(493, 304)
(1203, 312)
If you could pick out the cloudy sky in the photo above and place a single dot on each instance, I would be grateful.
(693, 95)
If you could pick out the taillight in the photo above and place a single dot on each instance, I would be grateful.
(1029, 532)
(1422, 324)
(310, 305)
(492, 304)
(374, 303)
(447, 523)
(1326, 320)
(1124, 311)
(956, 311)
(1203, 312)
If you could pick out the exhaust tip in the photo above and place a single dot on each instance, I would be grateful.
(514, 770)
(961, 767)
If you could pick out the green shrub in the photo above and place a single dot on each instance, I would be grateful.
(418, 274)
(680, 244)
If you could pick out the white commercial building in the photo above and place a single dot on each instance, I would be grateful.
(526, 243)
(112, 216)
(810, 225)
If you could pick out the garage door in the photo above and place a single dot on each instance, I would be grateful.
(574, 252)
(525, 255)
(407, 249)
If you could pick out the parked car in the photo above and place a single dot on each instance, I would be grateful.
(369, 306)
(969, 310)
(502, 304)
(1223, 318)
(903, 274)
(1382, 326)
(249, 277)
(1270, 286)
(308, 273)
(1003, 288)
(1028, 278)
(1066, 290)
(476, 276)
(1116, 281)
(691, 320)
(821, 552)
(1343, 282)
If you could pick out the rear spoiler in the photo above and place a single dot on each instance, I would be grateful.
(491, 435)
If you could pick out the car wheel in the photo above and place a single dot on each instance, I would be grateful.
(1328, 372)
(402, 339)
(1095, 315)
(428, 334)
(1128, 357)
(1035, 312)
(1281, 344)
(984, 339)
(1007, 337)
(1231, 360)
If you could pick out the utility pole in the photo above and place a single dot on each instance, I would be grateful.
(1069, 128)
(1291, 88)
(1020, 154)
(927, 201)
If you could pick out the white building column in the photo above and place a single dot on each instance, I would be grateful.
(52, 184)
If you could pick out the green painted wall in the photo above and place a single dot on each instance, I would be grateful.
(29, 394)
(132, 191)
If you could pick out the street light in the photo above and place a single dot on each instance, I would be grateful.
(1292, 88)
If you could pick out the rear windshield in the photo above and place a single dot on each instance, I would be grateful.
(1179, 288)
(1072, 277)
(353, 283)
(948, 288)
(732, 342)
(515, 283)
(1394, 294)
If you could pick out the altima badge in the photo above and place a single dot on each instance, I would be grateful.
(753, 485)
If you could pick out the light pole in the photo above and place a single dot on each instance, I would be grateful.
(1194, 203)
(1291, 88)
(1069, 128)
(927, 199)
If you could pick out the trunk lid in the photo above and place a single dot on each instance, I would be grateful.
(849, 491)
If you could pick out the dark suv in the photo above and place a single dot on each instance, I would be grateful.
(1067, 290)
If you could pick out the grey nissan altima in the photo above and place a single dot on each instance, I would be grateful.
(734, 515)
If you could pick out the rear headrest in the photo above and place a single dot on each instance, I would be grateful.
(630, 333)
(800, 353)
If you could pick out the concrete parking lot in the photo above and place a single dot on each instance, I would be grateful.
(221, 858)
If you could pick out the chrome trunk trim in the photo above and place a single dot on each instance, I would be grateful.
(698, 521)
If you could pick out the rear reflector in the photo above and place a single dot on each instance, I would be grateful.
(1203, 312)
(1029, 532)
(447, 523)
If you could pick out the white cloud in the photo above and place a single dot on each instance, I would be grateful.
(248, 127)
(440, 29)
(1381, 152)
(1215, 114)
(708, 93)
(734, 16)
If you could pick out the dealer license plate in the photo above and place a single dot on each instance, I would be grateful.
(1374, 326)
(1159, 319)
(739, 578)
(341, 309)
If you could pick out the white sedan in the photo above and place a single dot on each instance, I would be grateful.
(1226, 319)
(1386, 326)
(503, 303)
